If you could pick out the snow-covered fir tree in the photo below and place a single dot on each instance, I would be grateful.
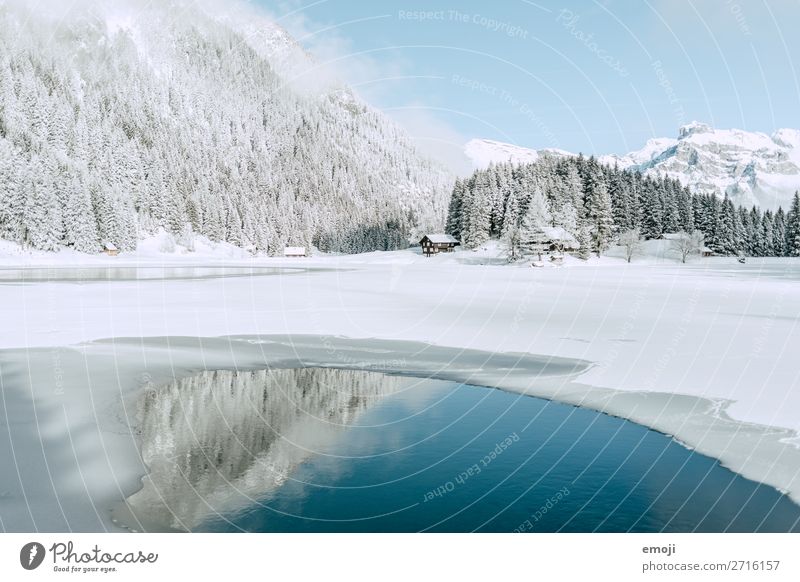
(599, 213)
(533, 231)
(793, 228)
(779, 233)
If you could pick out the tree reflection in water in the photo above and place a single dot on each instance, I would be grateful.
(217, 441)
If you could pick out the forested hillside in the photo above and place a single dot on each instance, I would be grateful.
(180, 120)
(594, 204)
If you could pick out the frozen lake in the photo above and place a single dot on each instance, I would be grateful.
(700, 351)
(310, 450)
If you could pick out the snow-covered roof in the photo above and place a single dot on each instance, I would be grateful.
(294, 251)
(109, 246)
(557, 233)
(441, 238)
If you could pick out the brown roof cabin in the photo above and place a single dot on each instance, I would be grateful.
(433, 244)
(110, 249)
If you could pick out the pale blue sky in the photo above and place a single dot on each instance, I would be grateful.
(582, 75)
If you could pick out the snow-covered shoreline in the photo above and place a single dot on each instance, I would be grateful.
(702, 352)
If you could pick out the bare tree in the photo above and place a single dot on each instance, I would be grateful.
(686, 244)
(631, 241)
(511, 241)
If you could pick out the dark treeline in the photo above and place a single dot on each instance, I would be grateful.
(596, 203)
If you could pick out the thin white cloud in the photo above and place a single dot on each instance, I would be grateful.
(433, 136)
(373, 73)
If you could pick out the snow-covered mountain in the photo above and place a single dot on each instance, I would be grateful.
(123, 117)
(752, 168)
(482, 152)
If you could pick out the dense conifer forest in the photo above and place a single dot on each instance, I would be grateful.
(594, 205)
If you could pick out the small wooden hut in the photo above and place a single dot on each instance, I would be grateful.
(294, 252)
(110, 249)
(433, 244)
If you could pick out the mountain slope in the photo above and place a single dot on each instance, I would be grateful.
(752, 168)
(482, 152)
(118, 119)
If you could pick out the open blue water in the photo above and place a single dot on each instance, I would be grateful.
(445, 457)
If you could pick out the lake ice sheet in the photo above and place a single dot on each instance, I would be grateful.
(702, 351)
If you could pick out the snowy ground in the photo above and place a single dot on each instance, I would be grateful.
(705, 351)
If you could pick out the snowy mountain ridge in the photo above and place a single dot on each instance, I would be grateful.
(753, 168)
(483, 152)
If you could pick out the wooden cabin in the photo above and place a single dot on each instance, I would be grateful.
(559, 240)
(110, 249)
(433, 244)
(295, 252)
(707, 252)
